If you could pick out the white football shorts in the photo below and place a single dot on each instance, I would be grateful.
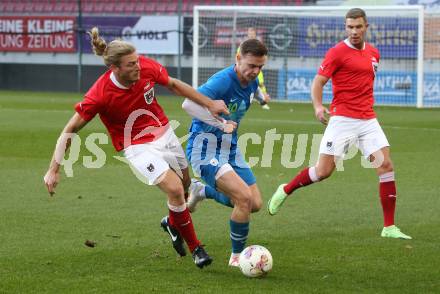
(154, 158)
(343, 132)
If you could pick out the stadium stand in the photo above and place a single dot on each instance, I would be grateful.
(126, 6)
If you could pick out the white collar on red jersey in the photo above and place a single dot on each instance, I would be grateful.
(347, 42)
(115, 81)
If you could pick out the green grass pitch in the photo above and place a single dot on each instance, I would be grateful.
(324, 240)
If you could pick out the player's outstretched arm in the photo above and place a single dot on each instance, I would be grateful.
(52, 177)
(216, 107)
(201, 113)
(321, 112)
(262, 96)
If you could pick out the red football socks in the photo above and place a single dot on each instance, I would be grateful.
(302, 179)
(183, 223)
(387, 192)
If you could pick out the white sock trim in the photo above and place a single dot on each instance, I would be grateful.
(180, 208)
(312, 174)
(386, 177)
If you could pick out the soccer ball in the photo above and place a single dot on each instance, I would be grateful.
(255, 261)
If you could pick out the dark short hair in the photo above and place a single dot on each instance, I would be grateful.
(356, 13)
(253, 47)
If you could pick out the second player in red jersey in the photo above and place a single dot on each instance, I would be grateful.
(352, 72)
(352, 66)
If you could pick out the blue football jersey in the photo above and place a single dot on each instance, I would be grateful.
(224, 85)
(209, 148)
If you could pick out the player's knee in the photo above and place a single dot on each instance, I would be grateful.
(387, 166)
(323, 173)
(257, 204)
(175, 192)
(244, 200)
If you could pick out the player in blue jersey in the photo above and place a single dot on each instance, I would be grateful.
(212, 146)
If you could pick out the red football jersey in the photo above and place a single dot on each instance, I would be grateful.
(115, 104)
(352, 72)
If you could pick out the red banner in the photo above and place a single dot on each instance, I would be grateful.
(37, 33)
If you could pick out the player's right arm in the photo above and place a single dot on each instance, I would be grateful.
(52, 176)
(201, 113)
(328, 67)
(262, 91)
(321, 112)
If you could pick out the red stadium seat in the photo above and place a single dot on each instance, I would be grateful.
(87, 7)
(129, 7)
(70, 7)
(150, 8)
(119, 7)
(109, 7)
(161, 7)
(19, 7)
(172, 8)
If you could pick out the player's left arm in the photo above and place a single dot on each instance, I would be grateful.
(216, 107)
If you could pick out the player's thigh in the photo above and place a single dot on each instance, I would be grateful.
(325, 166)
(246, 174)
(372, 139)
(233, 186)
(339, 135)
(173, 151)
(171, 185)
(381, 160)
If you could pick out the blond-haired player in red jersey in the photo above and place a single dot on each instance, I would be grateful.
(125, 101)
(352, 66)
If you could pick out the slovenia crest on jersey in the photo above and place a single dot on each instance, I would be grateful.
(149, 96)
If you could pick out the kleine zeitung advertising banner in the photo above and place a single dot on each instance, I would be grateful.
(37, 33)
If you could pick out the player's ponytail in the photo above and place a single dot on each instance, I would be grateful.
(98, 43)
(111, 52)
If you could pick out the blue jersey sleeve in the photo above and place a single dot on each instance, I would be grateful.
(216, 87)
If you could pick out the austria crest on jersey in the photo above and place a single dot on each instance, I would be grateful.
(149, 94)
(374, 64)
